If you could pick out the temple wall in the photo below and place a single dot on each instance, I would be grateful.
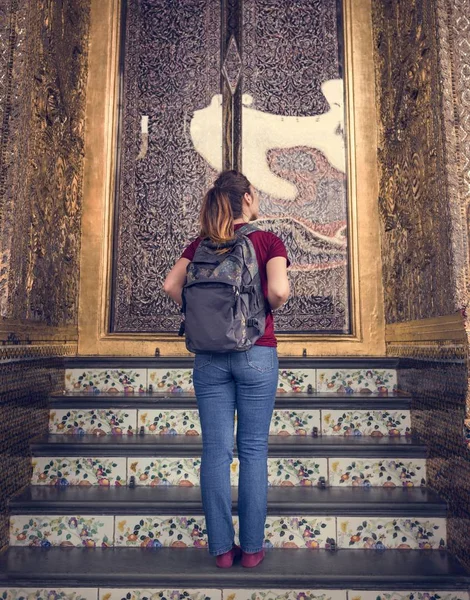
(422, 64)
(43, 74)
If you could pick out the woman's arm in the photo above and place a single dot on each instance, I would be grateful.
(175, 280)
(278, 283)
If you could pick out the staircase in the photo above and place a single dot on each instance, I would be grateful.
(114, 510)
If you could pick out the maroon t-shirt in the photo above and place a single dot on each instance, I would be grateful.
(267, 245)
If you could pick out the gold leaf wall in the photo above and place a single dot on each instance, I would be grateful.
(43, 49)
(43, 72)
(417, 257)
(422, 63)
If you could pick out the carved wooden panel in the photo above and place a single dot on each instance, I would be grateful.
(43, 71)
(280, 62)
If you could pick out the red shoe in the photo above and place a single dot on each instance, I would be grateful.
(225, 560)
(252, 559)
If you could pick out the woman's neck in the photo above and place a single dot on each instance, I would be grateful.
(241, 220)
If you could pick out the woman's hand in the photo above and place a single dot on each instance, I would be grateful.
(175, 280)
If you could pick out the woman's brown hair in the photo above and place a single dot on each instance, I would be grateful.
(223, 203)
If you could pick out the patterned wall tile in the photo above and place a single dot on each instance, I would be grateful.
(186, 422)
(98, 421)
(57, 530)
(170, 422)
(384, 472)
(294, 422)
(361, 381)
(299, 532)
(272, 594)
(165, 471)
(107, 381)
(296, 380)
(159, 594)
(296, 471)
(49, 593)
(180, 380)
(403, 595)
(381, 533)
(376, 423)
(190, 531)
(171, 381)
(82, 471)
(157, 531)
(185, 471)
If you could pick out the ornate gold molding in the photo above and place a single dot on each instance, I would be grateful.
(8, 353)
(448, 329)
(36, 332)
(96, 249)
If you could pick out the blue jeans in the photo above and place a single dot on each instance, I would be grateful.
(245, 382)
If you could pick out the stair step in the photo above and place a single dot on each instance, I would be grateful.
(185, 421)
(292, 569)
(184, 445)
(187, 362)
(95, 375)
(189, 531)
(415, 502)
(184, 471)
(185, 400)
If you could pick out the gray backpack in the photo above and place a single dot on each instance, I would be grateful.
(223, 303)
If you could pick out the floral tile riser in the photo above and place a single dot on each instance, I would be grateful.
(284, 594)
(299, 532)
(398, 472)
(226, 594)
(186, 422)
(375, 423)
(402, 595)
(64, 531)
(158, 531)
(294, 422)
(165, 471)
(290, 472)
(296, 380)
(49, 594)
(185, 471)
(100, 421)
(179, 380)
(362, 381)
(172, 381)
(400, 533)
(159, 594)
(190, 532)
(106, 381)
(170, 422)
(83, 471)
(183, 532)
(367, 381)
(105, 471)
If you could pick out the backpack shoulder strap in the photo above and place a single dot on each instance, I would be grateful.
(247, 228)
(249, 253)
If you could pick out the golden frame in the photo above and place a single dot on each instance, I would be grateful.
(368, 332)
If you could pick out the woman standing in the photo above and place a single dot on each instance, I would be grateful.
(245, 382)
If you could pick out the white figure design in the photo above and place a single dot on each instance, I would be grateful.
(263, 131)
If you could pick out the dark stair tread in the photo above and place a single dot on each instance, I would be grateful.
(187, 362)
(373, 501)
(186, 400)
(186, 445)
(282, 568)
